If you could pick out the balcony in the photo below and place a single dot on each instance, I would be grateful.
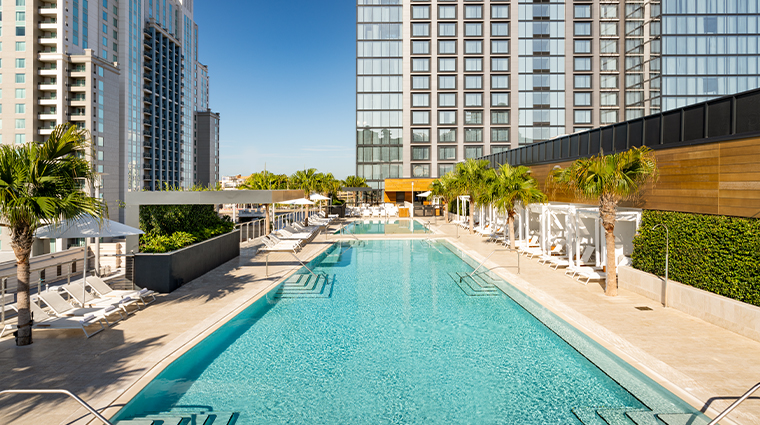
(148, 88)
(50, 100)
(47, 116)
(78, 116)
(45, 131)
(51, 39)
(147, 177)
(147, 166)
(47, 70)
(47, 86)
(48, 9)
(48, 24)
(148, 123)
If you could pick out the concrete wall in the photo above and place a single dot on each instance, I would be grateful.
(166, 272)
(733, 315)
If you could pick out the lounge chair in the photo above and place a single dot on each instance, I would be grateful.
(105, 291)
(76, 291)
(270, 245)
(556, 250)
(62, 308)
(585, 264)
(594, 274)
(565, 262)
(42, 320)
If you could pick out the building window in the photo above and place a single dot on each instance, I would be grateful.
(499, 81)
(473, 81)
(446, 82)
(582, 28)
(608, 46)
(499, 46)
(582, 46)
(420, 117)
(447, 64)
(420, 65)
(21, 125)
(447, 30)
(608, 81)
(473, 117)
(420, 153)
(447, 117)
(499, 135)
(20, 63)
(420, 12)
(473, 64)
(473, 134)
(499, 149)
(420, 82)
(473, 12)
(421, 170)
(20, 78)
(473, 29)
(499, 12)
(609, 116)
(608, 11)
(582, 81)
(20, 139)
(447, 99)
(499, 117)
(421, 135)
(447, 47)
(608, 29)
(447, 12)
(499, 29)
(582, 64)
(582, 11)
(420, 30)
(499, 64)
(582, 117)
(447, 135)
(499, 99)
(444, 169)
(473, 47)
(21, 108)
(21, 46)
(420, 47)
(420, 99)
(609, 99)
(608, 64)
(582, 99)
(447, 153)
(20, 93)
(473, 152)
(473, 99)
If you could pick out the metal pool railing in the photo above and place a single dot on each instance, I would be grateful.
(257, 228)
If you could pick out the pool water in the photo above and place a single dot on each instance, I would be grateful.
(382, 226)
(391, 337)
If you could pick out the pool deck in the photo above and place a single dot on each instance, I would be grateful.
(702, 363)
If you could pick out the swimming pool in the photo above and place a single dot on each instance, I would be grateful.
(387, 333)
(382, 226)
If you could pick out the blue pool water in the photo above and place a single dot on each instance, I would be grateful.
(393, 338)
(382, 226)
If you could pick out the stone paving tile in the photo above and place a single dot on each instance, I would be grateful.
(696, 360)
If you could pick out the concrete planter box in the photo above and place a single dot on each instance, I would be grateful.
(733, 315)
(168, 271)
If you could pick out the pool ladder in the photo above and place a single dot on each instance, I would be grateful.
(733, 405)
(489, 256)
(66, 392)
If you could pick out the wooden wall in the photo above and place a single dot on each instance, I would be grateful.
(717, 178)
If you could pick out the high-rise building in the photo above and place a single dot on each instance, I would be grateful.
(125, 70)
(439, 82)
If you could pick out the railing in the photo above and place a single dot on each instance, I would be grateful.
(489, 256)
(733, 405)
(257, 228)
(66, 392)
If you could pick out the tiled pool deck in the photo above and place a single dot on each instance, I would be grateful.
(700, 362)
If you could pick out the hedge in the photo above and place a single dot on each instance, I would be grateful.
(171, 227)
(718, 254)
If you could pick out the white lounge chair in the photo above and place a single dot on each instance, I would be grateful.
(42, 320)
(104, 291)
(76, 291)
(62, 308)
(554, 252)
(599, 275)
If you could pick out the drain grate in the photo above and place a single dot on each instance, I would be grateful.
(643, 308)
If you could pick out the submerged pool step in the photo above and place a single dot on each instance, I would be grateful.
(630, 416)
(184, 418)
(474, 286)
(305, 286)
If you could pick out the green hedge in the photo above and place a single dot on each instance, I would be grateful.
(715, 253)
(171, 227)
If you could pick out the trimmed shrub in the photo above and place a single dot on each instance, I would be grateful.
(171, 227)
(718, 254)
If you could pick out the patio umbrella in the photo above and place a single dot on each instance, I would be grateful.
(86, 227)
(318, 197)
(424, 194)
(299, 201)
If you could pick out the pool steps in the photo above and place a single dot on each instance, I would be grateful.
(305, 286)
(625, 416)
(183, 418)
(477, 285)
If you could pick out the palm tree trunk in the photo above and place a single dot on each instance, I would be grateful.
(511, 224)
(22, 247)
(267, 219)
(445, 212)
(470, 206)
(607, 211)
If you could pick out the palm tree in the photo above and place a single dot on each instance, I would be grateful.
(40, 184)
(513, 185)
(265, 181)
(472, 177)
(610, 179)
(306, 180)
(446, 188)
(355, 181)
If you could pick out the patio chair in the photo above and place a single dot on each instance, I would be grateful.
(42, 320)
(104, 291)
(585, 264)
(76, 291)
(62, 308)
(556, 250)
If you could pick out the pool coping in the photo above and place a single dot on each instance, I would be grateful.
(665, 375)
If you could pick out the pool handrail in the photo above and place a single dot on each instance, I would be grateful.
(733, 405)
(66, 392)
(489, 256)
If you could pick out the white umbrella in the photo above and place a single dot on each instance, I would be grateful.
(86, 227)
(299, 201)
(318, 197)
(424, 194)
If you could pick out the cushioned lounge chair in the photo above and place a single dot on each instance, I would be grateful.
(104, 291)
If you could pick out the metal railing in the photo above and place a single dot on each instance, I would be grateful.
(733, 405)
(65, 392)
(257, 228)
(489, 256)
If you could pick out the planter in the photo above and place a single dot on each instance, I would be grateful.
(338, 209)
(168, 271)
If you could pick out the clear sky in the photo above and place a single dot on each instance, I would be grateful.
(283, 79)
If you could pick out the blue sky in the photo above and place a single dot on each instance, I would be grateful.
(282, 78)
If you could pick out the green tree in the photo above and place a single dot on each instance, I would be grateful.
(513, 185)
(473, 177)
(265, 181)
(41, 184)
(308, 181)
(446, 188)
(355, 181)
(608, 179)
